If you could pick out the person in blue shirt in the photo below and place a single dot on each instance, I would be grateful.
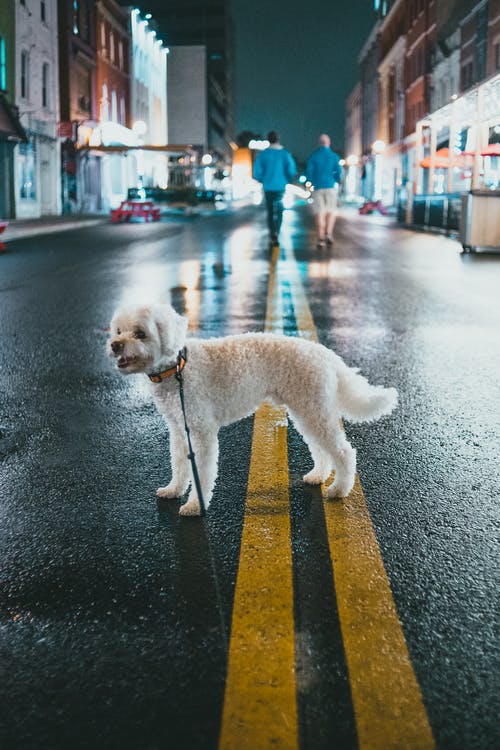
(324, 172)
(274, 168)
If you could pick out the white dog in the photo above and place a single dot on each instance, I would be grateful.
(226, 379)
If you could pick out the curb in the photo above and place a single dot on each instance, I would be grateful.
(13, 232)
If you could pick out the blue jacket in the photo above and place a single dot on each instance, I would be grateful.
(323, 168)
(274, 168)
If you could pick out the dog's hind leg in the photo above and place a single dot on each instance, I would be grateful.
(179, 463)
(331, 439)
(322, 462)
(206, 449)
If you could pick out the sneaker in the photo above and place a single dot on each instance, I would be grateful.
(321, 242)
(329, 240)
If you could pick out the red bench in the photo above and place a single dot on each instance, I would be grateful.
(3, 227)
(135, 209)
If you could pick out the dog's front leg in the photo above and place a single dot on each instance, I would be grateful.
(206, 449)
(179, 462)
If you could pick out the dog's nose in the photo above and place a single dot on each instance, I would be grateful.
(116, 346)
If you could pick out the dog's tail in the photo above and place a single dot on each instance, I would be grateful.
(361, 402)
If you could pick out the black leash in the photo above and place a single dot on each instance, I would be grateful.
(191, 455)
(196, 478)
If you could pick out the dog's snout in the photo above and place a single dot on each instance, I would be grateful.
(116, 346)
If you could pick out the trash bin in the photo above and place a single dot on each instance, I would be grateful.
(480, 220)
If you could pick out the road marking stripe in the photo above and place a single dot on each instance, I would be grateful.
(388, 706)
(260, 708)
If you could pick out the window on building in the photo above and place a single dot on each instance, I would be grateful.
(111, 46)
(421, 62)
(43, 11)
(3, 65)
(104, 104)
(467, 75)
(114, 107)
(122, 111)
(103, 38)
(45, 85)
(24, 74)
(120, 54)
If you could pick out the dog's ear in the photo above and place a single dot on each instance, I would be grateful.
(172, 328)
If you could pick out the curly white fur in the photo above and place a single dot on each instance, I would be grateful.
(226, 379)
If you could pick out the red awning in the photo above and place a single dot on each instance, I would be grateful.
(442, 159)
(492, 149)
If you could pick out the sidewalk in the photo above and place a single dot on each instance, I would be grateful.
(19, 228)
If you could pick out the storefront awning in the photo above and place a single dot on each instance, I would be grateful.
(442, 159)
(176, 149)
(493, 149)
(10, 127)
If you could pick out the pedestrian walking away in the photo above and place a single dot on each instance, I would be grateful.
(324, 172)
(274, 167)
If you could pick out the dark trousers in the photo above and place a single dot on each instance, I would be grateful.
(274, 206)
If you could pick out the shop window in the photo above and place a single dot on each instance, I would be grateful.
(45, 85)
(3, 65)
(26, 170)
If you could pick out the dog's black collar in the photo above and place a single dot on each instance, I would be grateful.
(157, 377)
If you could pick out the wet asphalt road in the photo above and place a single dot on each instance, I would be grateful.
(109, 636)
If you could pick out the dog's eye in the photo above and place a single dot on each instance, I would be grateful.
(139, 334)
(118, 331)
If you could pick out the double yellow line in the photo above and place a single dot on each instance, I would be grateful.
(260, 708)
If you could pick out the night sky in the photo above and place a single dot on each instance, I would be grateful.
(296, 63)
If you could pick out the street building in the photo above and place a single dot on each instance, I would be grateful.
(369, 59)
(188, 23)
(430, 112)
(36, 173)
(113, 87)
(353, 149)
(11, 131)
(80, 170)
(149, 101)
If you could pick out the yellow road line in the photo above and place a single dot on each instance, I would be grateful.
(260, 709)
(388, 706)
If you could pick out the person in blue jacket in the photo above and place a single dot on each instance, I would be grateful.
(324, 172)
(274, 168)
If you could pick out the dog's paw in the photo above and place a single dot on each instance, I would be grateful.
(339, 490)
(169, 492)
(315, 476)
(191, 508)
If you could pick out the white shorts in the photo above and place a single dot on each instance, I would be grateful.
(325, 200)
